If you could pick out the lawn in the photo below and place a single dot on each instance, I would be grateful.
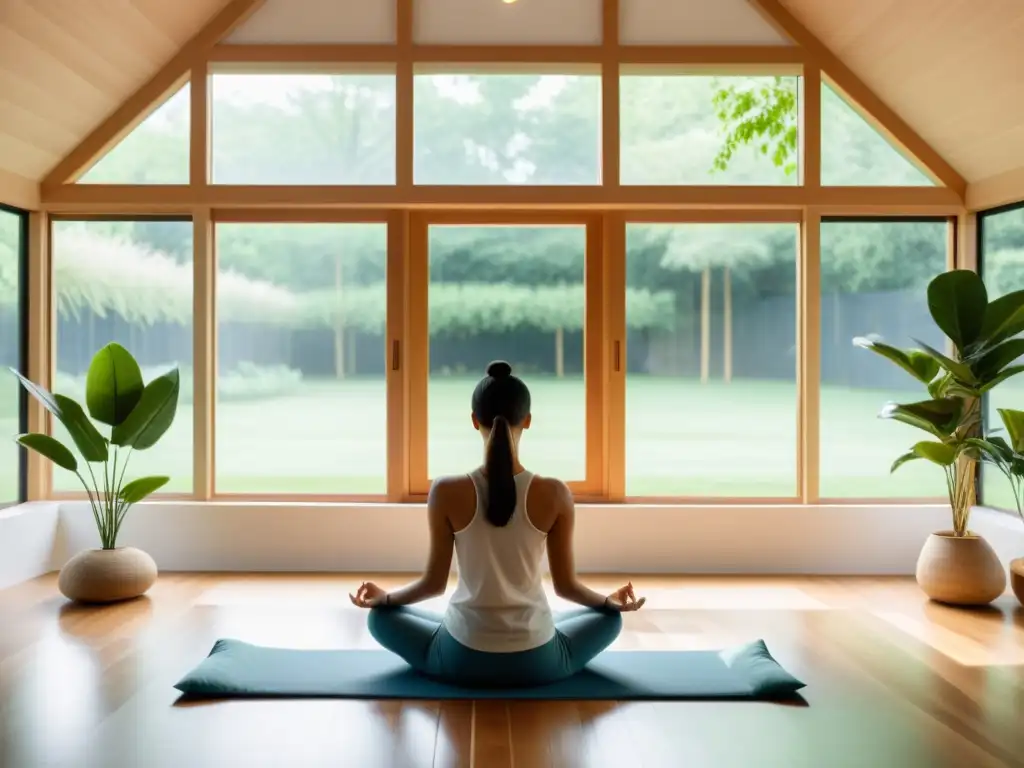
(683, 439)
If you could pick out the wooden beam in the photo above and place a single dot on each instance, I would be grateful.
(200, 123)
(404, 98)
(41, 332)
(810, 129)
(397, 357)
(141, 103)
(883, 118)
(19, 192)
(131, 199)
(964, 241)
(610, 112)
(808, 353)
(1004, 189)
(608, 343)
(204, 354)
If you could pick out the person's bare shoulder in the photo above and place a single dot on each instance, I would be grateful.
(549, 499)
(453, 498)
(451, 488)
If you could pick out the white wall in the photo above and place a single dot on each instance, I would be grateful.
(28, 540)
(610, 538)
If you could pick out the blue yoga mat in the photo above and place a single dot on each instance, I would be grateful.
(238, 669)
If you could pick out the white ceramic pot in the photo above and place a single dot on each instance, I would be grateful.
(107, 575)
(960, 570)
(1017, 578)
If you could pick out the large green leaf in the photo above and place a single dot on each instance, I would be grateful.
(1006, 373)
(997, 453)
(153, 415)
(51, 448)
(996, 358)
(938, 417)
(957, 302)
(113, 385)
(939, 453)
(1014, 423)
(919, 365)
(91, 444)
(1004, 318)
(961, 370)
(139, 489)
(39, 393)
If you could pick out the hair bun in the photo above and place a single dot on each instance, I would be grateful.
(499, 369)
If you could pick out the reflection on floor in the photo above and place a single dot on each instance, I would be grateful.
(892, 681)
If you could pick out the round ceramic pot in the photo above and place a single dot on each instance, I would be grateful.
(107, 575)
(1017, 578)
(960, 570)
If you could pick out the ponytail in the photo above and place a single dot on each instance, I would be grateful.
(501, 483)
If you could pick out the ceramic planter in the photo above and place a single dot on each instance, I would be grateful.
(107, 575)
(960, 570)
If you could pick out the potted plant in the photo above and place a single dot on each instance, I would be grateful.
(957, 566)
(137, 415)
(1008, 457)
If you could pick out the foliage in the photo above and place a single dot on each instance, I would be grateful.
(762, 114)
(245, 381)
(981, 333)
(1007, 457)
(138, 415)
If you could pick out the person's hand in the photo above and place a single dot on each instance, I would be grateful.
(624, 599)
(369, 595)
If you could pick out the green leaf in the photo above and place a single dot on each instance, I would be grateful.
(960, 370)
(939, 453)
(938, 417)
(91, 444)
(1014, 423)
(909, 456)
(153, 415)
(1006, 373)
(113, 385)
(995, 359)
(1004, 318)
(919, 365)
(995, 453)
(957, 302)
(139, 489)
(39, 393)
(50, 447)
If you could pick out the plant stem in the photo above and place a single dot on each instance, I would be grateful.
(92, 503)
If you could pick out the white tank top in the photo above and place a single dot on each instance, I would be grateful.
(499, 605)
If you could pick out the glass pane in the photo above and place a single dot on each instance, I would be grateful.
(155, 152)
(512, 293)
(10, 337)
(689, 130)
(303, 129)
(301, 395)
(853, 153)
(129, 282)
(1002, 266)
(507, 129)
(874, 280)
(711, 360)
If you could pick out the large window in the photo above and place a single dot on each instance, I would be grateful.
(12, 411)
(695, 129)
(128, 281)
(874, 279)
(1001, 252)
(301, 396)
(513, 293)
(507, 129)
(711, 397)
(303, 129)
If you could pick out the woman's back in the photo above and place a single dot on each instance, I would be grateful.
(499, 605)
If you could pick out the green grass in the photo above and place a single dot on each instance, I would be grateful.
(683, 439)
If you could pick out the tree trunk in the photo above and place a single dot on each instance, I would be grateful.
(350, 352)
(339, 323)
(727, 326)
(559, 353)
(705, 325)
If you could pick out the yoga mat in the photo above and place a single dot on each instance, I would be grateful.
(238, 669)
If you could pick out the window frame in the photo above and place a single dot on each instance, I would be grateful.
(981, 467)
(22, 310)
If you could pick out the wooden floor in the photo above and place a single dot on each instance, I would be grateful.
(892, 681)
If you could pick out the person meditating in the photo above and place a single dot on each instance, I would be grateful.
(498, 629)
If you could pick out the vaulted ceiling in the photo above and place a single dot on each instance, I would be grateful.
(952, 69)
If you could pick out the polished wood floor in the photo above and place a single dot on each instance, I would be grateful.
(892, 681)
